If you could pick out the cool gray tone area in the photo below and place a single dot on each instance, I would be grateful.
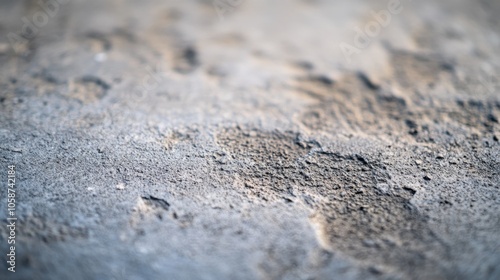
(263, 140)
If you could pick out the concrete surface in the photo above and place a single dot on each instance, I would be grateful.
(263, 140)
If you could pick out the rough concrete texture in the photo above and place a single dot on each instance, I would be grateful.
(172, 140)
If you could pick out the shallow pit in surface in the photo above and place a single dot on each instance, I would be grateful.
(355, 208)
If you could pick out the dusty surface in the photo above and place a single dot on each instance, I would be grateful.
(157, 140)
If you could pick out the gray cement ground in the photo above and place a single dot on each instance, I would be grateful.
(263, 140)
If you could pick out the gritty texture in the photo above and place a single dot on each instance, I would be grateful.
(174, 140)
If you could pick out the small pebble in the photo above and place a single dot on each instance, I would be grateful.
(384, 188)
